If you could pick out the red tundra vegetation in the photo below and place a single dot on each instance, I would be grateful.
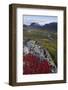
(33, 65)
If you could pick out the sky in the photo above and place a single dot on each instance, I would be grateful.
(28, 19)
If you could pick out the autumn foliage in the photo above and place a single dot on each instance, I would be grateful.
(33, 65)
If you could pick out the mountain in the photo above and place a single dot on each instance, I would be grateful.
(50, 27)
(35, 25)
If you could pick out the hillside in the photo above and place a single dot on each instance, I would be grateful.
(45, 35)
(50, 27)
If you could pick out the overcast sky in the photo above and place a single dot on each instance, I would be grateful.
(28, 19)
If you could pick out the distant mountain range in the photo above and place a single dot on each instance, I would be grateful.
(51, 26)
